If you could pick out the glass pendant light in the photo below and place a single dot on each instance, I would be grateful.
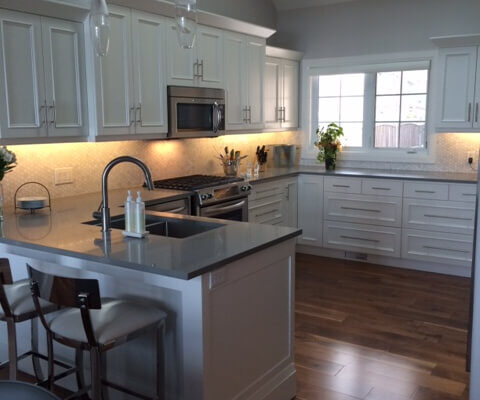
(186, 16)
(100, 26)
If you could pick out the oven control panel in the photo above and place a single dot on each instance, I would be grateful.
(223, 193)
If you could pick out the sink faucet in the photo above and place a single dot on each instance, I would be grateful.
(105, 209)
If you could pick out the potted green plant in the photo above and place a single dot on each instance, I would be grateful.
(329, 145)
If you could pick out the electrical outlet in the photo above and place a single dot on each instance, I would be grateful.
(63, 175)
(470, 157)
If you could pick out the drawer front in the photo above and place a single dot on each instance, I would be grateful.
(271, 213)
(343, 185)
(426, 190)
(438, 247)
(267, 190)
(375, 210)
(362, 238)
(460, 192)
(382, 187)
(440, 216)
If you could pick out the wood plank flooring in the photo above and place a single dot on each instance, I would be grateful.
(377, 333)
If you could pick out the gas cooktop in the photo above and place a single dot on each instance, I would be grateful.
(195, 182)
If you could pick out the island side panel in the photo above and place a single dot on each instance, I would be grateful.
(249, 327)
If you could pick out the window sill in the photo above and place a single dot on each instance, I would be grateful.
(422, 157)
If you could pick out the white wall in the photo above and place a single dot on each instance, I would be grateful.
(374, 26)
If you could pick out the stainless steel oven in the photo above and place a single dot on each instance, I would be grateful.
(236, 210)
(195, 112)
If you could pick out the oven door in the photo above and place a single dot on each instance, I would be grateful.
(236, 210)
(196, 117)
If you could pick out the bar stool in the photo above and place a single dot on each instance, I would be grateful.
(17, 306)
(96, 325)
(24, 391)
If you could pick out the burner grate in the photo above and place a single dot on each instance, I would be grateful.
(195, 182)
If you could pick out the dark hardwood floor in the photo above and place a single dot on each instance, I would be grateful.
(377, 333)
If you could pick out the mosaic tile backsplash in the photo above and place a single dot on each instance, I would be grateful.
(182, 157)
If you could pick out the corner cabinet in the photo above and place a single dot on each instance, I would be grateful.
(131, 88)
(459, 84)
(43, 92)
(244, 60)
(280, 99)
(310, 209)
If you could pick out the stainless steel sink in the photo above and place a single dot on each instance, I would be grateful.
(162, 226)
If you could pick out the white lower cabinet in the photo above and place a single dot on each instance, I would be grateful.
(310, 209)
(362, 238)
(438, 247)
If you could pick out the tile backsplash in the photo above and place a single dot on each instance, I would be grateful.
(169, 158)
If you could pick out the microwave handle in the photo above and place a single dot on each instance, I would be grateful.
(216, 117)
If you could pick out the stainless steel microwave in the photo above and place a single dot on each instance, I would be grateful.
(195, 112)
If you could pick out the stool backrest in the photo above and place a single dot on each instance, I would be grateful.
(65, 292)
(5, 279)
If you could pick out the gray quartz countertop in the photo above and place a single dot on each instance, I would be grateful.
(62, 233)
(454, 177)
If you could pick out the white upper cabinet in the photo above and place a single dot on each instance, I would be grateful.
(476, 118)
(131, 77)
(149, 73)
(200, 66)
(280, 100)
(42, 77)
(116, 102)
(244, 63)
(457, 107)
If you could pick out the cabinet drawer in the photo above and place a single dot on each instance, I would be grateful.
(426, 190)
(439, 247)
(362, 238)
(459, 192)
(267, 213)
(343, 185)
(441, 216)
(382, 187)
(375, 210)
(266, 190)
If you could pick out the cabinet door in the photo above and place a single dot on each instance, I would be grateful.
(115, 78)
(180, 61)
(290, 94)
(476, 120)
(457, 83)
(255, 56)
(149, 68)
(272, 92)
(22, 81)
(64, 62)
(235, 76)
(210, 56)
(310, 209)
(292, 204)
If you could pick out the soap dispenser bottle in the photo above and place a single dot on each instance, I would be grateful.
(129, 213)
(139, 215)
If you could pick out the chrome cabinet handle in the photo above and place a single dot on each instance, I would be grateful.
(476, 112)
(54, 109)
(249, 114)
(201, 65)
(279, 114)
(425, 191)
(139, 108)
(341, 186)
(380, 188)
(134, 120)
(469, 112)
(196, 74)
(360, 209)
(245, 114)
(441, 248)
(215, 117)
(212, 210)
(447, 217)
(45, 114)
(283, 114)
(361, 239)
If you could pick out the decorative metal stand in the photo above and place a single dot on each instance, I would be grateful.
(33, 207)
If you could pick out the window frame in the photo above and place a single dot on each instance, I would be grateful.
(312, 68)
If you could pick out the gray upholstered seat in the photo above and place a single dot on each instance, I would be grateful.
(20, 299)
(116, 319)
(24, 391)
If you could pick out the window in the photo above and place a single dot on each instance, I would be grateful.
(378, 108)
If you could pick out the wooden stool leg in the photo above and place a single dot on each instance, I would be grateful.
(12, 349)
(96, 374)
(161, 361)
(37, 368)
(51, 361)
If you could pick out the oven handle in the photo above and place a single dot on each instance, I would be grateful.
(211, 210)
(215, 117)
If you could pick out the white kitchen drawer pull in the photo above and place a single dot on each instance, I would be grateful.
(341, 186)
(266, 213)
(441, 248)
(425, 191)
(361, 239)
(380, 188)
(447, 217)
(359, 209)
(266, 190)
(469, 194)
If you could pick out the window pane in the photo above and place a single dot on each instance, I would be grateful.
(329, 109)
(388, 108)
(351, 109)
(415, 81)
(353, 134)
(388, 82)
(412, 135)
(353, 84)
(414, 107)
(329, 85)
(386, 135)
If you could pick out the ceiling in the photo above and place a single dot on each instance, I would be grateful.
(293, 4)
